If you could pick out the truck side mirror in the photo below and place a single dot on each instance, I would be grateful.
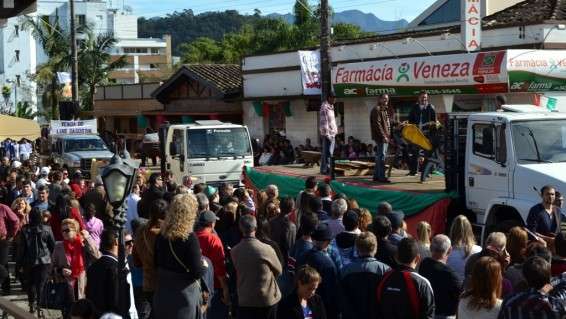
(500, 145)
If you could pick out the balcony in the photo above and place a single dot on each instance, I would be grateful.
(12, 8)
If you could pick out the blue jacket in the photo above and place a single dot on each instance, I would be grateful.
(328, 288)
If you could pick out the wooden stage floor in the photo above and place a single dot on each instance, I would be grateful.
(399, 179)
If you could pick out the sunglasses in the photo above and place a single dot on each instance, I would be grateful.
(129, 242)
(66, 230)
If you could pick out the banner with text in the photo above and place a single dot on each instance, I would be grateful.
(469, 73)
(536, 70)
(310, 72)
(73, 127)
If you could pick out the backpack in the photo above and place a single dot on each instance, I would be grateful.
(410, 288)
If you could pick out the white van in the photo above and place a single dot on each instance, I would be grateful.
(210, 152)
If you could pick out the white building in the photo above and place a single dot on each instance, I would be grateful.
(21, 53)
(273, 81)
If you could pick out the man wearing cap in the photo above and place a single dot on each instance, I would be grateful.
(43, 180)
(397, 233)
(211, 247)
(319, 258)
(328, 131)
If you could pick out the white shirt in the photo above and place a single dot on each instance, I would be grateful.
(465, 312)
(132, 210)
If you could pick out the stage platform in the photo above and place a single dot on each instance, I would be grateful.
(399, 179)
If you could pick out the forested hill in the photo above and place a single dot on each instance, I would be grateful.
(185, 26)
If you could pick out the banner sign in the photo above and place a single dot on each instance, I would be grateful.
(536, 70)
(73, 127)
(310, 72)
(469, 73)
(471, 24)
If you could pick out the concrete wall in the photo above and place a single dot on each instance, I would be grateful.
(356, 118)
(253, 121)
(301, 124)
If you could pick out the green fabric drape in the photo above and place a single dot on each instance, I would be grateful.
(409, 203)
(258, 107)
(287, 108)
(141, 121)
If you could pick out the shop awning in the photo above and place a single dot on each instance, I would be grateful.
(17, 128)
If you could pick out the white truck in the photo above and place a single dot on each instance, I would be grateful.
(75, 144)
(209, 152)
(498, 162)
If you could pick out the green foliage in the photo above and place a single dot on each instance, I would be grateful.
(345, 31)
(6, 91)
(95, 64)
(25, 111)
(202, 50)
(303, 13)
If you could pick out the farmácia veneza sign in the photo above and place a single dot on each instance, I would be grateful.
(469, 73)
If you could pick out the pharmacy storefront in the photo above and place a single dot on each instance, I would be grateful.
(465, 81)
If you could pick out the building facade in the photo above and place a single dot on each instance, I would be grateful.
(273, 82)
(21, 53)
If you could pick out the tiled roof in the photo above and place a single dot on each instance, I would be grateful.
(227, 78)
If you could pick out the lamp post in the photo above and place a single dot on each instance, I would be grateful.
(118, 179)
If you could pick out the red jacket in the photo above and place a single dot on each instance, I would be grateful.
(9, 222)
(211, 247)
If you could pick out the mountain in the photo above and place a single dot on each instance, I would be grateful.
(367, 21)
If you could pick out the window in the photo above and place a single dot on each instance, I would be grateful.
(154, 51)
(542, 141)
(217, 142)
(17, 30)
(178, 142)
(484, 144)
(81, 20)
(17, 55)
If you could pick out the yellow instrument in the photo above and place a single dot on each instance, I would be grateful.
(412, 134)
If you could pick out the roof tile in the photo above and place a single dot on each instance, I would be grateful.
(227, 78)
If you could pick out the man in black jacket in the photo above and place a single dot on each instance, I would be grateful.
(445, 283)
(422, 113)
(403, 293)
(103, 279)
(386, 251)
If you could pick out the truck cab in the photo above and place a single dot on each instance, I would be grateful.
(209, 152)
(78, 151)
(508, 158)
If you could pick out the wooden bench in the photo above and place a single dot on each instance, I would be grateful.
(310, 158)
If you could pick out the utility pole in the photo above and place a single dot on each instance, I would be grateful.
(324, 48)
(74, 59)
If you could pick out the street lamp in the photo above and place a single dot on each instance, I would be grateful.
(118, 179)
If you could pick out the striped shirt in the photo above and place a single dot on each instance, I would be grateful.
(533, 304)
(327, 120)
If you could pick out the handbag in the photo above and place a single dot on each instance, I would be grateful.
(55, 295)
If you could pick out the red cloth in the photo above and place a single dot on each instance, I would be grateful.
(74, 254)
(77, 189)
(211, 247)
(55, 223)
(435, 215)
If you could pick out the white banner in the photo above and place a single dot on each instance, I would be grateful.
(73, 127)
(471, 24)
(310, 71)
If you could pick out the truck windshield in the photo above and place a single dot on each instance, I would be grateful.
(540, 141)
(218, 142)
(81, 145)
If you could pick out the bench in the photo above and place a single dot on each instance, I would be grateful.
(310, 158)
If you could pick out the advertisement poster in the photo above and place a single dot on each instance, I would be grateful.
(310, 71)
(469, 73)
(536, 70)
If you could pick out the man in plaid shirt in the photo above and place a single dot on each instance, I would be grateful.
(328, 131)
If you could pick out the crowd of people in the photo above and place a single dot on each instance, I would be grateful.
(224, 252)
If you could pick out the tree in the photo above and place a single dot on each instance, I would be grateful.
(95, 64)
(56, 45)
(25, 111)
(202, 50)
(303, 13)
(346, 31)
(6, 93)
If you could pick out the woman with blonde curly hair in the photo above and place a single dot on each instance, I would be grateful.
(22, 209)
(365, 219)
(178, 263)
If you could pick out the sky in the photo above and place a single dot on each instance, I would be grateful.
(383, 9)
